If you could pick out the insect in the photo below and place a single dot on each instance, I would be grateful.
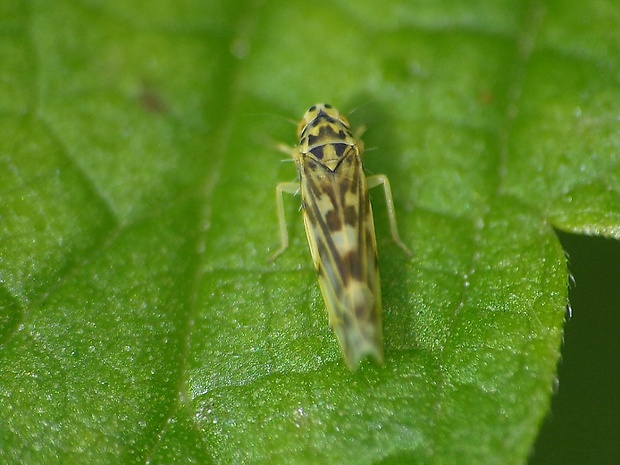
(339, 226)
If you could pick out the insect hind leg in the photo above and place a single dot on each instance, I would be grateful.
(378, 180)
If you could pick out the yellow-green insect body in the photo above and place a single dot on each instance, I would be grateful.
(340, 229)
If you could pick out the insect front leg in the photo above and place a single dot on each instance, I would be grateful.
(289, 188)
(380, 179)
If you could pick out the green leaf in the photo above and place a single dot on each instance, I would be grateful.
(139, 318)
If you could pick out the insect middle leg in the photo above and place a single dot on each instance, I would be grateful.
(289, 188)
(378, 180)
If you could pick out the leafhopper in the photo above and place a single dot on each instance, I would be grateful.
(340, 229)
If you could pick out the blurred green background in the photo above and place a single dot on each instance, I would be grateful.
(583, 426)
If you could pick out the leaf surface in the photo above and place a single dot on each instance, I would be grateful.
(140, 320)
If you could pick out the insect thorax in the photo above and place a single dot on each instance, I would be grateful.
(325, 136)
